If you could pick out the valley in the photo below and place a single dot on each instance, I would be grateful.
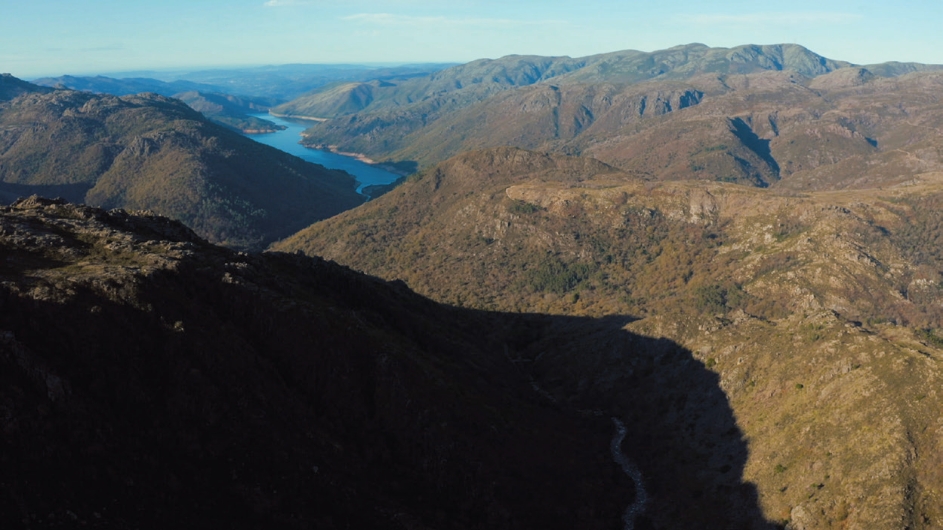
(155, 153)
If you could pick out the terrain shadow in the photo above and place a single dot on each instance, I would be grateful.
(276, 390)
(758, 145)
(682, 432)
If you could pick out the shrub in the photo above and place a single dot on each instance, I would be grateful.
(524, 208)
(557, 277)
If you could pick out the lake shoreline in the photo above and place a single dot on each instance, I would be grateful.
(392, 168)
(357, 156)
(365, 170)
(297, 117)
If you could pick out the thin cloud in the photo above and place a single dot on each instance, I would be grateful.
(388, 19)
(282, 3)
(110, 48)
(772, 18)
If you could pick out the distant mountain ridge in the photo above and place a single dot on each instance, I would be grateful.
(628, 66)
(635, 110)
(225, 109)
(124, 87)
(231, 94)
(281, 82)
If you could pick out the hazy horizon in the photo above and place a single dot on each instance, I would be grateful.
(51, 38)
(171, 72)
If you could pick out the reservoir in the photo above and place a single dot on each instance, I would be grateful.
(287, 140)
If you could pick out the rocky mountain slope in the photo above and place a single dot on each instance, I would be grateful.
(149, 379)
(819, 312)
(152, 152)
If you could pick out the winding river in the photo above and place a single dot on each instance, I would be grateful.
(629, 468)
(287, 140)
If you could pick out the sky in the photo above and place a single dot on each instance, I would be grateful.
(85, 37)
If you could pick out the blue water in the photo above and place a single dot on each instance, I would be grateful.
(288, 139)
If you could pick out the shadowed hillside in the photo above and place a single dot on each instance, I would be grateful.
(152, 380)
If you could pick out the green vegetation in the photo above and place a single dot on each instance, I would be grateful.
(524, 208)
(711, 298)
(555, 276)
(716, 298)
(813, 332)
(931, 336)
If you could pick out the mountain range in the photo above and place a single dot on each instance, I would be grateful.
(124, 86)
(275, 82)
(229, 96)
(751, 114)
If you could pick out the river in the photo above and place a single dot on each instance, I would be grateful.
(287, 140)
(629, 468)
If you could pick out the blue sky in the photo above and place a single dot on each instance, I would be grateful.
(56, 37)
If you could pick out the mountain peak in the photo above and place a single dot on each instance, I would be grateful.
(11, 87)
